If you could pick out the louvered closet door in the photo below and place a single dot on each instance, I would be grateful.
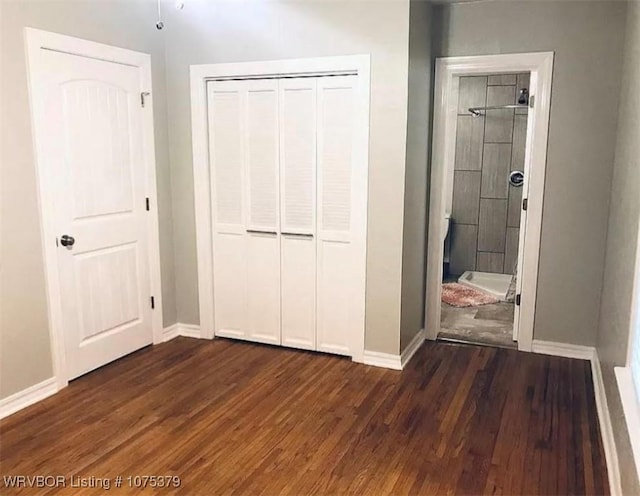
(226, 138)
(338, 256)
(298, 199)
(243, 127)
(262, 207)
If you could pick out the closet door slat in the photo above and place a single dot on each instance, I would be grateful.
(262, 206)
(262, 154)
(298, 184)
(226, 150)
(337, 279)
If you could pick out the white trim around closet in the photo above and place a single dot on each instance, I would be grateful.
(324, 66)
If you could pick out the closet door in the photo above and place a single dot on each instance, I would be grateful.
(339, 267)
(298, 200)
(226, 151)
(262, 207)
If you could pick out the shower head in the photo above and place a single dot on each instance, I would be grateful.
(523, 98)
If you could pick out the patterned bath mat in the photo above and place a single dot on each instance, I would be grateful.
(459, 295)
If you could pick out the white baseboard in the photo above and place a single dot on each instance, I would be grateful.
(168, 333)
(630, 409)
(563, 349)
(384, 360)
(178, 329)
(26, 397)
(190, 330)
(395, 362)
(606, 428)
(44, 389)
(413, 346)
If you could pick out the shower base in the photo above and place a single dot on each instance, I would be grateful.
(494, 284)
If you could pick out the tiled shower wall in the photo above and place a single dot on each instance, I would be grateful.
(486, 209)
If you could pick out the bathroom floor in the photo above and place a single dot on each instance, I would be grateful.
(486, 324)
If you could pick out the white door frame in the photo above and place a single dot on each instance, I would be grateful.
(200, 74)
(48, 184)
(448, 71)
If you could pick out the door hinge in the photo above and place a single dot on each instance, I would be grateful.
(142, 97)
(518, 299)
(146, 203)
(525, 204)
(153, 303)
(532, 100)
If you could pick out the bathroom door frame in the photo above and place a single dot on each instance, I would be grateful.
(448, 73)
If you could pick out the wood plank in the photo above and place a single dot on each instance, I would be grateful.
(515, 206)
(511, 249)
(241, 418)
(502, 79)
(466, 197)
(469, 142)
(495, 170)
(462, 257)
(472, 92)
(519, 142)
(490, 262)
(492, 225)
(499, 123)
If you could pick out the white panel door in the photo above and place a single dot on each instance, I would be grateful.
(298, 200)
(93, 143)
(262, 205)
(338, 277)
(226, 151)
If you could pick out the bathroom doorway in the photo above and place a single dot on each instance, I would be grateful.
(483, 210)
(489, 154)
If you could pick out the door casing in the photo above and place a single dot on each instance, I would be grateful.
(448, 72)
(48, 184)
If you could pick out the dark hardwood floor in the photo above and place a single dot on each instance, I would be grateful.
(230, 417)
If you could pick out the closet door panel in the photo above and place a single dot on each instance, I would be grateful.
(298, 154)
(261, 154)
(230, 290)
(226, 102)
(298, 183)
(262, 207)
(334, 297)
(298, 292)
(263, 283)
(226, 129)
(337, 282)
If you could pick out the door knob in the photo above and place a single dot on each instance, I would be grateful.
(66, 240)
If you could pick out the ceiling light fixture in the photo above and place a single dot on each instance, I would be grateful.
(159, 23)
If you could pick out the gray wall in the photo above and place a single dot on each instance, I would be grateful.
(485, 215)
(416, 174)
(587, 38)
(211, 32)
(25, 356)
(622, 239)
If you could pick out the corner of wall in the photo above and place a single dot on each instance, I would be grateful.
(616, 301)
(414, 220)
